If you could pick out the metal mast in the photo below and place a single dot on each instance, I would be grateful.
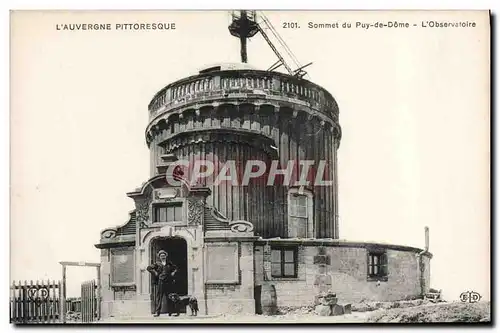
(244, 25)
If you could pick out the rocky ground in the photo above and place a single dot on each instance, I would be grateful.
(73, 317)
(416, 311)
(432, 313)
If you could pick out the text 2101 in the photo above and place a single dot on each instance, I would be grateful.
(290, 25)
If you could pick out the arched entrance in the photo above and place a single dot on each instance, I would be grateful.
(176, 248)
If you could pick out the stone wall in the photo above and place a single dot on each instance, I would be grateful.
(289, 291)
(106, 291)
(427, 273)
(116, 301)
(234, 297)
(344, 270)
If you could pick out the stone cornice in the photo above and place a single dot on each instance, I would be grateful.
(222, 135)
(278, 103)
(222, 239)
(120, 241)
(299, 116)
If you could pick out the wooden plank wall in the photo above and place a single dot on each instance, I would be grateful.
(297, 137)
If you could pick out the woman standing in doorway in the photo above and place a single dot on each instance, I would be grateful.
(163, 273)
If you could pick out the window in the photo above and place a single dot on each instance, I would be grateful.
(171, 212)
(284, 262)
(377, 265)
(300, 221)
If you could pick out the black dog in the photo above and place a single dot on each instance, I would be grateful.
(179, 302)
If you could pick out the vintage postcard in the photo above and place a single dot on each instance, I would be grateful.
(250, 167)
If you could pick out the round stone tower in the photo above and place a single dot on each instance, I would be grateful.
(233, 115)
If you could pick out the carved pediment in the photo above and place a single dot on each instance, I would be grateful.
(159, 186)
(155, 190)
(119, 236)
(128, 228)
(241, 226)
(215, 220)
(108, 233)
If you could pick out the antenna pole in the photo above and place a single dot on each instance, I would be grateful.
(243, 35)
(243, 42)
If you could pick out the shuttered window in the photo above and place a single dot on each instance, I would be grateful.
(299, 220)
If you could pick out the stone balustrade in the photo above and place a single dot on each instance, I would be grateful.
(220, 84)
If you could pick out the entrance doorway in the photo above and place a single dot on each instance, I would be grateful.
(176, 248)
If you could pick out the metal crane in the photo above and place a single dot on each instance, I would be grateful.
(244, 25)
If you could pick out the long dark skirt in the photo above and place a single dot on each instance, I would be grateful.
(162, 290)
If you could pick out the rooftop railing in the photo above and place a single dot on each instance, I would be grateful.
(213, 86)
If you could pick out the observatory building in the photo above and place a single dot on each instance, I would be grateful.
(242, 194)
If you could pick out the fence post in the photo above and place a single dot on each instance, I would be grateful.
(31, 303)
(25, 303)
(64, 294)
(82, 302)
(20, 304)
(99, 292)
(51, 300)
(54, 303)
(13, 300)
(60, 301)
(36, 302)
(93, 300)
(82, 299)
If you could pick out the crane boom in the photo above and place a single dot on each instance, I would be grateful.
(275, 50)
(280, 40)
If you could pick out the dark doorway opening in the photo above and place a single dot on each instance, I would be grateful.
(257, 295)
(176, 248)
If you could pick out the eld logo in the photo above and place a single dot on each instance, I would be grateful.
(41, 293)
(470, 297)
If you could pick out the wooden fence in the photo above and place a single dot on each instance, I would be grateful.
(89, 303)
(38, 302)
